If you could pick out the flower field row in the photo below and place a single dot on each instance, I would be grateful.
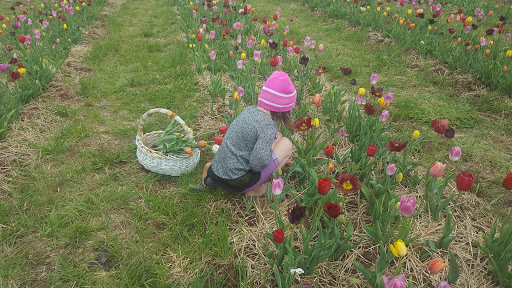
(35, 39)
(226, 38)
(470, 36)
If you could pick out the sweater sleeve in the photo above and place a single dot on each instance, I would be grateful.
(262, 151)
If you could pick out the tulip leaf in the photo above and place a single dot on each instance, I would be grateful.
(368, 274)
(453, 266)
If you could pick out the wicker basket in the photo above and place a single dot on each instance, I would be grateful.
(156, 161)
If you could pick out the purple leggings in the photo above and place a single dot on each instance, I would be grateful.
(266, 172)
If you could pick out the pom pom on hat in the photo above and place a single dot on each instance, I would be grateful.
(278, 94)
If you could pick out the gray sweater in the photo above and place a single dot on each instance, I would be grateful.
(247, 145)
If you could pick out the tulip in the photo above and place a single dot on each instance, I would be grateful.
(374, 78)
(455, 153)
(509, 53)
(333, 210)
(443, 284)
(320, 47)
(240, 64)
(507, 182)
(188, 150)
(21, 38)
(465, 181)
(437, 265)
(388, 98)
(407, 205)
(324, 185)
(329, 150)
(218, 140)
(213, 55)
(384, 116)
(223, 129)
(415, 134)
(202, 143)
(257, 55)
(371, 150)
(398, 249)
(278, 235)
(361, 91)
(399, 177)
(397, 282)
(277, 186)
(215, 148)
(391, 169)
(307, 41)
(330, 168)
(240, 91)
(315, 122)
(296, 50)
(436, 169)
(289, 51)
(317, 100)
(273, 62)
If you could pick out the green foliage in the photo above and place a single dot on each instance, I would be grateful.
(498, 249)
(443, 242)
(174, 141)
(375, 277)
(433, 196)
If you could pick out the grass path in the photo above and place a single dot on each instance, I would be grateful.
(84, 213)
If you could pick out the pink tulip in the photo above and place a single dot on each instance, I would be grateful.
(212, 34)
(240, 64)
(57, 41)
(241, 91)
(307, 41)
(407, 205)
(397, 282)
(250, 43)
(508, 36)
(388, 98)
(455, 153)
(467, 29)
(384, 116)
(443, 284)
(391, 169)
(374, 79)
(239, 39)
(289, 51)
(287, 29)
(257, 55)
(437, 169)
(279, 60)
(320, 47)
(277, 186)
(213, 55)
(313, 43)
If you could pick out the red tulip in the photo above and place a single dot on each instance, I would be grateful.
(507, 182)
(274, 62)
(324, 185)
(264, 20)
(371, 150)
(218, 140)
(465, 181)
(223, 129)
(440, 126)
(196, 8)
(21, 38)
(333, 210)
(255, 19)
(285, 43)
(460, 10)
(329, 150)
(275, 17)
(199, 37)
(297, 50)
(278, 235)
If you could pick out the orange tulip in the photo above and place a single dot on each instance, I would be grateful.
(490, 13)
(437, 169)
(437, 265)
(202, 143)
(487, 52)
(477, 47)
(459, 40)
(505, 69)
(317, 100)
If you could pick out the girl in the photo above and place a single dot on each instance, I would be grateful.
(253, 147)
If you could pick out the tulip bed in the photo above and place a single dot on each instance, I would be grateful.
(356, 206)
(35, 38)
(470, 36)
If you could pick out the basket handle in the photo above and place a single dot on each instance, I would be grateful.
(171, 114)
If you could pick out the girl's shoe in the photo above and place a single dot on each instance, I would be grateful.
(265, 195)
(199, 186)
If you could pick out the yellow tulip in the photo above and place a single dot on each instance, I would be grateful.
(189, 45)
(491, 42)
(509, 53)
(385, 14)
(65, 26)
(262, 42)
(22, 71)
(42, 5)
(401, 21)
(193, 36)
(315, 122)
(191, 4)
(330, 168)
(259, 61)
(361, 91)
(77, 8)
(415, 134)
(242, 56)
(56, 6)
(409, 12)
(4, 26)
(387, 9)
(65, 2)
(398, 249)
(206, 46)
(399, 177)
(378, 9)
(429, 28)
(469, 19)
(235, 96)
(194, 45)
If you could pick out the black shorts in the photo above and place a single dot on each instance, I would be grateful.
(235, 186)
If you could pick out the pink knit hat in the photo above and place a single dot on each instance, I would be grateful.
(278, 94)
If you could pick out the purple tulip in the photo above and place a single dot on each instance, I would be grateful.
(384, 116)
(239, 39)
(443, 284)
(215, 8)
(240, 64)
(4, 67)
(274, 25)
(361, 100)
(213, 55)
(467, 29)
(241, 91)
(374, 79)
(391, 169)
(277, 186)
(257, 55)
(45, 24)
(28, 39)
(397, 282)
(313, 43)
(407, 205)
(250, 43)
(237, 26)
(388, 98)
(226, 11)
(483, 42)
(455, 153)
